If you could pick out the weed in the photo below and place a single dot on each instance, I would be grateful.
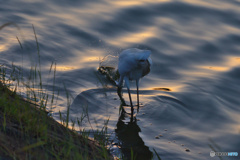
(27, 132)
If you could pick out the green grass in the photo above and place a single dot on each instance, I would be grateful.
(26, 130)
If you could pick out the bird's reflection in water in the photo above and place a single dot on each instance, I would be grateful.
(129, 139)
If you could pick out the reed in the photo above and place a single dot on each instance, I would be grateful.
(26, 129)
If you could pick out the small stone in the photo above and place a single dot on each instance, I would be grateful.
(165, 129)
(160, 135)
(114, 98)
(182, 144)
(156, 137)
(187, 150)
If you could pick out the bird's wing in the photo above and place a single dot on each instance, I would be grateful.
(143, 55)
(126, 62)
(128, 59)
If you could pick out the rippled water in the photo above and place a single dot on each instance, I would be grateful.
(196, 55)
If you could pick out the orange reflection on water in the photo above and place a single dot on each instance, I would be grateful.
(215, 68)
(134, 37)
(133, 3)
(64, 68)
(234, 61)
(90, 59)
(78, 64)
(127, 3)
(3, 48)
(230, 63)
(173, 88)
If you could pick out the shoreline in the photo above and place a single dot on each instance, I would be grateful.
(27, 132)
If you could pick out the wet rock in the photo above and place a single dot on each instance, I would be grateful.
(156, 137)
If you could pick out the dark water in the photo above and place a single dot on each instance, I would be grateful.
(196, 55)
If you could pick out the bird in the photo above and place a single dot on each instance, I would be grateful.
(133, 64)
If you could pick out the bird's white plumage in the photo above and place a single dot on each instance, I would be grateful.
(133, 64)
(129, 58)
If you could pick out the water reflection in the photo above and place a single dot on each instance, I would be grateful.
(129, 139)
(125, 126)
(193, 86)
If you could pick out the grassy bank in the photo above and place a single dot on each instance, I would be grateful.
(27, 132)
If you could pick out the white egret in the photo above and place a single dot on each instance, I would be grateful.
(133, 64)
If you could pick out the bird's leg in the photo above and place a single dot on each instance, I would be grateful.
(130, 102)
(119, 91)
(127, 84)
(137, 83)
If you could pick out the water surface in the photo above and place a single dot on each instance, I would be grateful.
(195, 52)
